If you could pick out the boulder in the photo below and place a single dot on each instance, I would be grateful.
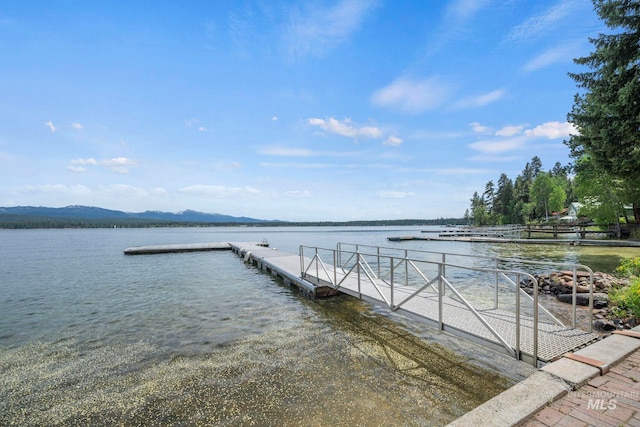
(600, 299)
(604, 325)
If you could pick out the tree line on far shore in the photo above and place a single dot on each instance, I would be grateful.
(535, 193)
(35, 221)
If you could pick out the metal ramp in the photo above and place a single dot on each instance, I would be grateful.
(419, 284)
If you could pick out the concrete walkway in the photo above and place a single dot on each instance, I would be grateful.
(598, 385)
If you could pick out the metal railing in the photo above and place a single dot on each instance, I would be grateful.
(395, 276)
(495, 262)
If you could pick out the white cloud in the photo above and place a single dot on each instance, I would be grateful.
(224, 166)
(58, 189)
(76, 126)
(539, 25)
(460, 171)
(499, 145)
(274, 118)
(124, 190)
(412, 96)
(456, 24)
(551, 56)
(118, 164)
(302, 194)
(345, 128)
(159, 192)
(315, 30)
(461, 10)
(480, 100)
(297, 165)
(287, 152)
(74, 168)
(478, 128)
(393, 141)
(89, 161)
(552, 130)
(51, 127)
(511, 138)
(218, 191)
(202, 129)
(394, 194)
(508, 131)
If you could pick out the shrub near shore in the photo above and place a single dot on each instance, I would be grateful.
(626, 299)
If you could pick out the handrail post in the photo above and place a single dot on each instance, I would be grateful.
(574, 297)
(391, 298)
(442, 271)
(535, 321)
(518, 319)
(317, 268)
(335, 268)
(440, 296)
(301, 252)
(591, 301)
(495, 299)
(406, 267)
(378, 261)
(358, 271)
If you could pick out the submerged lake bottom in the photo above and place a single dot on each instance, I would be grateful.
(90, 336)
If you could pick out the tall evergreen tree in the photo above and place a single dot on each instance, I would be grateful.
(607, 113)
(503, 201)
(488, 196)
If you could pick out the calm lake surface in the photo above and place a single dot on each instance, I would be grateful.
(91, 336)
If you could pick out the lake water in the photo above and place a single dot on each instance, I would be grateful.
(91, 336)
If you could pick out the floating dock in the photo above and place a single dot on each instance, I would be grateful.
(181, 247)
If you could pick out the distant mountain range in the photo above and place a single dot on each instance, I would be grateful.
(90, 212)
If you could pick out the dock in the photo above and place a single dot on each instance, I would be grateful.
(181, 247)
(400, 283)
(514, 333)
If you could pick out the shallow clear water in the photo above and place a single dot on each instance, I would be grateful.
(91, 336)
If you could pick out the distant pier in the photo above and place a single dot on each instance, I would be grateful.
(485, 239)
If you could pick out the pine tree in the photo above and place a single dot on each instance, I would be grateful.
(607, 113)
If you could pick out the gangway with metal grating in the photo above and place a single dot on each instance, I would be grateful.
(466, 295)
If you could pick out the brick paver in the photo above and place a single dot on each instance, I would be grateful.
(609, 400)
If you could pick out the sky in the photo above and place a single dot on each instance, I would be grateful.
(305, 110)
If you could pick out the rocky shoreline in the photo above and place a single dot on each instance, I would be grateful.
(561, 285)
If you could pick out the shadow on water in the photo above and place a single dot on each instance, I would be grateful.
(436, 369)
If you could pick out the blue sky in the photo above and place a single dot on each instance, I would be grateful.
(291, 110)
